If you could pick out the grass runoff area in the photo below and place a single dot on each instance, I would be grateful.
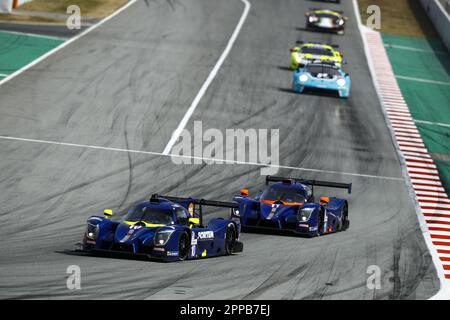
(89, 8)
(421, 64)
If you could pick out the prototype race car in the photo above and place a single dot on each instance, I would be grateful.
(289, 205)
(326, 20)
(165, 228)
(309, 52)
(321, 76)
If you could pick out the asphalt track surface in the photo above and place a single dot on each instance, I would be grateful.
(127, 85)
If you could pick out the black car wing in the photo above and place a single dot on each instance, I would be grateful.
(320, 183)
(196, 202)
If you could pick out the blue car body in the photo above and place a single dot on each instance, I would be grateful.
(323, 77)
(297, 211)
(163, 241)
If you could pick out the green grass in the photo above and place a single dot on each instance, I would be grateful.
(400, 17)
(18, 50)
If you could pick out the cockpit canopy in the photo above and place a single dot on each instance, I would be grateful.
(157, 214)
(285, 194)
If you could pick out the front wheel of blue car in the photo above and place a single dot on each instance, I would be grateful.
(230, 239)
(183, 246)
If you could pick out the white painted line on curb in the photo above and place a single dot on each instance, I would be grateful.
(209, 80)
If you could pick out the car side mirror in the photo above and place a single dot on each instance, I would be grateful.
(108, 213)
(244, 192)
(194, 221)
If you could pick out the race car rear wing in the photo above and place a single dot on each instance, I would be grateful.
(318, 9)
(318, 42)
(197, 211)
(318, 183)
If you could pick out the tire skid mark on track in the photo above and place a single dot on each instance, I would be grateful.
(130, 167)
(208, 80)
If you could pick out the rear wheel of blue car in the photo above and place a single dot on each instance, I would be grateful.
(230, 239)
(183, 246)
(345, 222)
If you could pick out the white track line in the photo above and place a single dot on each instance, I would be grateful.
(433, 123)
(208, 81)
(77, 145)
(394, 46)
(423, 80)
(34, 35)
(65, 44)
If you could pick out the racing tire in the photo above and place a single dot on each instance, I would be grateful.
(183, 246)
(321, 221)
(345, 222)
(230, 239)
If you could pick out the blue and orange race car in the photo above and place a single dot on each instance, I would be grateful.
(289, 205)
(165, 228)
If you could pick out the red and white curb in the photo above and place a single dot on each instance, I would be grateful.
(432, 202)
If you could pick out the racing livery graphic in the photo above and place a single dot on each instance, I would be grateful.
(289, 204)
(322, 77)
(166, 228)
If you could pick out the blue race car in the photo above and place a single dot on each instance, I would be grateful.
(320, 76)
(165, 228)
(289, 205)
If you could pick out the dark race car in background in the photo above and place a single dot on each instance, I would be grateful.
(289, 204)
(165, 228)
(325, 20)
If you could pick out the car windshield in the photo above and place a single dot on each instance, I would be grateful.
(282, 194)
(322, 71)
(327, 15)
(317, 51)
(150, 215)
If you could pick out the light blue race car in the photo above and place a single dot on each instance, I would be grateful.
(322, 77)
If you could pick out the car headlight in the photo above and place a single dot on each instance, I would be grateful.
(341, 22)
(304, 214)
(341, 82)
(162, 236)
(313, 19)
(92, 231)
(303, 78)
